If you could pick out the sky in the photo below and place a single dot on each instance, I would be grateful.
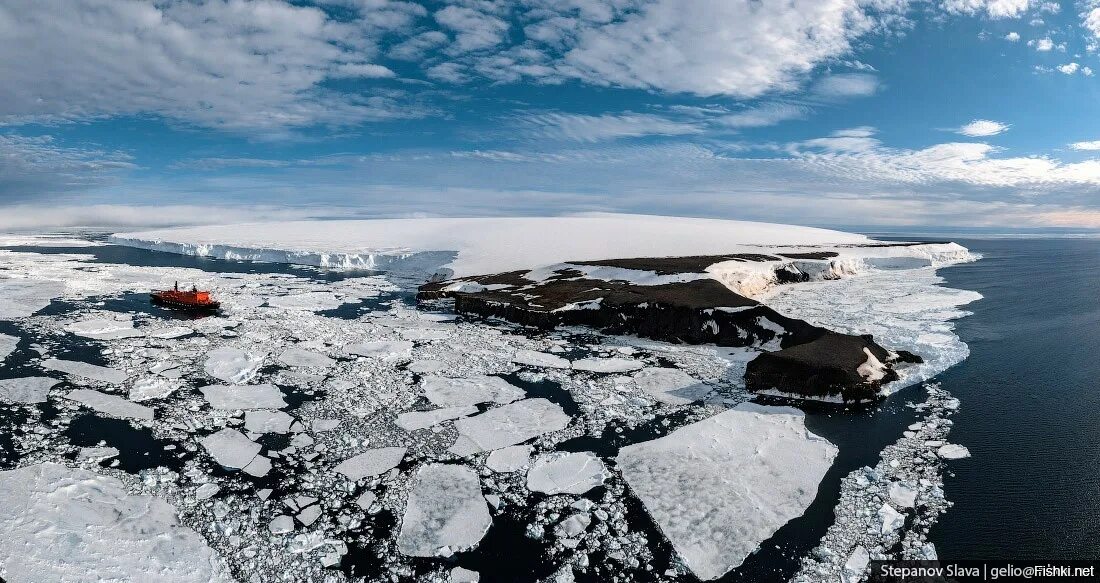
(889, 114)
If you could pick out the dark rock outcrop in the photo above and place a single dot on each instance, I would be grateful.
(811, 362)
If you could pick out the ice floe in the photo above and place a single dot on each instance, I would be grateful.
(539, 359)
(230, 448)
(104, 329)
(566, 473)
(454, 392)
(670, 385)
(413, 420)
(263, 421)
(509, 459)
(607, 365)
(232, 365)
(86, 370)
(445, 513)
(371, 462)
(110, 405)
(508, 425)
(26, 390)
(7, 345)
(952, 451)
(305, 358)
(265, 396)
(152, 388)
(381, 348)
(723, 461)
(61, 524)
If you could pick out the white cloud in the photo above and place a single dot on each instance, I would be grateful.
(764, 115)
(595, 128)
(1012, 37)
(1090, 19)
(1050, 7)
(1086, 146)
(232, 64)
(1041, 45)
(417, 47)
(1086, 71)
(847, 85)
(717, 47)
(36, 217)
(1068, 68)
(991, 8)
(982, 127)
(474, 30)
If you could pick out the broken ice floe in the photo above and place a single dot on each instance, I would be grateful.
(264, 421)
(232, 365)
(385, 349)
(152, 388)
(454, 392)
(7, 345)
(723, 461)
(413, 420)
(670, 385)
(104, 329)
(305, 358)
(566, 473)
(61, 524)
(509, 459)
(110, 405)
(371, 462)
(230, 448)
(265, 396)
(507, 425)
(83, 369)
(445, 514)
(26, 390)
(607, 365)
(540, 359)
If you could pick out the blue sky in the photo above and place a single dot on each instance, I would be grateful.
(864, 113)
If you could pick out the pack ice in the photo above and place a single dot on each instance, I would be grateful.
(719, 487)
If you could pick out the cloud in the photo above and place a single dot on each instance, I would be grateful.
(713, 47)
(36, 217)
(764, 115)
(37, 167)
(1012, 37)
(595, 128)
(1068, 68)
(991, 8)
(229, 64)
(474, 30)
(847, 85)
(1042, 45)
(982, 128)
(1086, 146)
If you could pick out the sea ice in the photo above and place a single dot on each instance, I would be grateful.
(230, 448)
(460, 575)
(97, 454)
(62, 524)
(110, 405)
(509, 459)
(424, 366)
(170, 332)
(305, 358)
(566, 473)
(607, 365)
(670, 385)
(23, 297)
(381, 348)
(952, 451)
(83, 369)
(281, 524)
(207, 491)
(26, 390)
(454, 392)
(152, 388)
(371, 462)
(309, 301)
(265, 396)
(891, 519)
(445, 514)
(903, 494)
(7, 345)
(540, 359)
(508, 425)
(232, 365)
(722, 461)
(265, 421)
(855, 565)
(414, 420)
(104, 329)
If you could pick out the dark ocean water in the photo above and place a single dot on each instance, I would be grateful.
(1030, 395)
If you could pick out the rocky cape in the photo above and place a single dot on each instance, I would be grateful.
(676, 299)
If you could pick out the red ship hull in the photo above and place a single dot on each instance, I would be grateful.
(182, 300)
